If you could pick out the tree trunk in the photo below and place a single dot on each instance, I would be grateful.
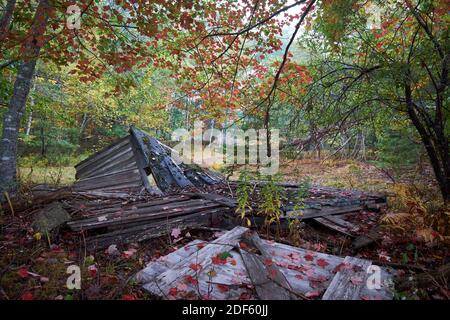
(30, 115)
(5, 21)
(29, 121)
(434, 146)
(16, 106)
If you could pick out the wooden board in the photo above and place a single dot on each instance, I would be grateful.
(176, 274)
(306, 272)
(347, 284)
(269, 281)
(338, 224)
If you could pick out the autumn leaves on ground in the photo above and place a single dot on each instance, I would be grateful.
(357, 89)
(34, 266)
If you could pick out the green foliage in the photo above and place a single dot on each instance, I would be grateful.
(272, 196)
(243, 193)
(397, 149)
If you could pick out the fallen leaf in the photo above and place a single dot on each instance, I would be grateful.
(26, 296)
(195, 266)
(223, 288)
(175, 232)
(190, 279)
(309, 257)
(243, 245)
(245, 296)
(322, 263)
(268, 262)
(342, 266)
(173, 292)
(23, 273)
(200, 245)
(212, 273)
(92, 270)
(129, 253)
(129, 297)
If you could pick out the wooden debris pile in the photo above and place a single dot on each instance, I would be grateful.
(116, 221)
(337, 209)
(240, 265)
(139, 162)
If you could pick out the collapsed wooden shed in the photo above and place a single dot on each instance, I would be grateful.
(138, 162)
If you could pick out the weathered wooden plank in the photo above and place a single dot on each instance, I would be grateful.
(337, 224)
(269, 282)
(127, 161)
(167, 174)
(166, 280)
(104, 153)
(141, 218)
(119, 174)
(347, 284)
(226, 201)
(315, 213)
(151, 230)
(274, 273)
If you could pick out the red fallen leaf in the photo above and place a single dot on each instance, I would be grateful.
(83, 206)
(268, 262)
(92, 270)
(342, 266)
(217, 260)
(322, 263)
(190, 279)
(272, 273)
(223, 288)
(129, 297)
(312, 294)
(243, 245)
(26, 296)
(309, 257)
(200, 245)
(173, 292)
(245, 296)
(23, 273)
(195, 266)
(299, 276)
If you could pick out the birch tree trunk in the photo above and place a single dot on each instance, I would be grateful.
(16, 106)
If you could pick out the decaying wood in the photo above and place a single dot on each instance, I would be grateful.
(269, 281)
(150, 230)
(302, 275)
(308, 213)
(338, 224)
(367, 239)
(347, 284)
(226, 201)
(162, 284)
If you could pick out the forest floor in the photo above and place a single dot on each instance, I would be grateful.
(34, 266)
